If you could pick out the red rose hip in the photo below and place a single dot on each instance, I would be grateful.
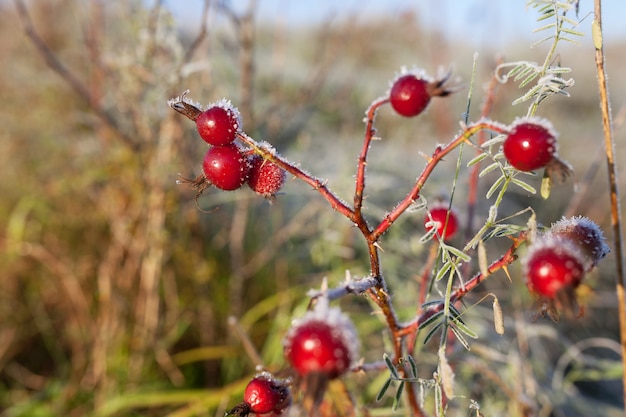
(218, 125)
(553, 264)
(409, 95)
(226, 167)
(265, 178)
(324, 342)
(446, 222)
(265, 394)
(530, 144)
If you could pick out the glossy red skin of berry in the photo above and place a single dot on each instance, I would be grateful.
(265, 178)
(315, 347)
(409, 95)
(264, 395)
(529, 146)
(226, 167)
(438, 215)
(217, 125)
(551, 269)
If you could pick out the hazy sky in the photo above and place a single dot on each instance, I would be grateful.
(482, 22)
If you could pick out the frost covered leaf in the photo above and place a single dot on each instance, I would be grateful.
(429, 235)
(465, 329)
(493, 141)
(460, 338)
(477, 159)
(488, 169)
(445, 269)
(523, 185)
(458, 253)
(495, 186)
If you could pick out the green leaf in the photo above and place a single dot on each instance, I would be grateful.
(545, 16)
(428, 235)
(464, 328)
(477, 159)
(528, 80)
(431, 333)
(539, 42)
(432, 303)
(493, 141)
(460, 338)
(488, 169)
(548, 26)
(431, 319)
(383, 390)
(445, 269)
(413, 366)
(398, 396)
(390, 365)
(524, 186)
(495, 186)
(459, 253)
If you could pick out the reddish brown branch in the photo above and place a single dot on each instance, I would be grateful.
(505, 260)
(436, 157)
(370, 132)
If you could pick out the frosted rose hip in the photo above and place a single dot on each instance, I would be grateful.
(530, 144)
(226, 167)
(324, 341)
(552, 265)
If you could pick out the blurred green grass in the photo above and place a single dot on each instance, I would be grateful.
(116, 290)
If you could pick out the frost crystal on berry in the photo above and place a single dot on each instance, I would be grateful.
(552, 265)
(323, 341)
(586, 234)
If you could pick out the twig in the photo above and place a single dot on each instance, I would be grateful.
(612, 174)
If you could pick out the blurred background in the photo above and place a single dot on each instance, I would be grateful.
(116, 289)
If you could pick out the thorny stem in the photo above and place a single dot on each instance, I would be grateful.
(505, 260)
(378, 292)
(437, 156)
(370, 132)
(612, 174)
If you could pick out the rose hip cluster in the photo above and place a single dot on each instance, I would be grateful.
(558, 260)
(226, 164)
